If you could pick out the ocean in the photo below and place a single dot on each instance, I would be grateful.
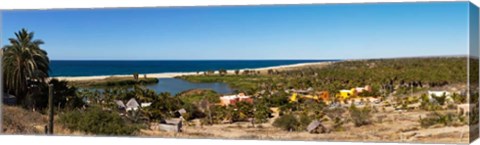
(69, 68)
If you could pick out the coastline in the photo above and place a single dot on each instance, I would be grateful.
(175, 74)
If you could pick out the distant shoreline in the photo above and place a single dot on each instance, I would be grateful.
(176, 74)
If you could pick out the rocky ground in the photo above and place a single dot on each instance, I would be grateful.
(396, 127)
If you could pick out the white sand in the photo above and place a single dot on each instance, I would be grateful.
(175, 74)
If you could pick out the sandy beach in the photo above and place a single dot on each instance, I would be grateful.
(175, 74)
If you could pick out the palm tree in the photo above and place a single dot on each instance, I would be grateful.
(24, 64)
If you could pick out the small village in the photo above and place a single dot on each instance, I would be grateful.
(341, 101)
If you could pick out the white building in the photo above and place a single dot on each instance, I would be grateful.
(146, 104)
(448, 95)
(132, 105)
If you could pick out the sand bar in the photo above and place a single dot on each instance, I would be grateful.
(175, 74)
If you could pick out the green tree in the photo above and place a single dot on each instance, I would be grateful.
(65, 96)
(24, 62)
(163, 106)
(237, 72)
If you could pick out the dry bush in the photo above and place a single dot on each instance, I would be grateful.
(360, 116)
(20, 121)
(445, 119)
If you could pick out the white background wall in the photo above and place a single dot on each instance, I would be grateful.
(67, 140)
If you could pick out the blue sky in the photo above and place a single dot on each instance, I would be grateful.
(329, 31)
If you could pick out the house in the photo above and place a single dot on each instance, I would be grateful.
(120, 105)
(132, 105)
(316, 127)
(325, 96)
(228, 100)
(179, 112)
(346, 94)
(275, 109)
(242, 97)
(169, 125)
(293, 98)
(447, 94)
(232, 99)
(143, 105)
(439, 93)
(174, 125)
(319, 96)
(367, 88)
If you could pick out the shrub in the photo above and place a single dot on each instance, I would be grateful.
(335, 112)
(216, 114)
(192, 112)
(440, 99)
(304, 120)
(241, 111)
(262, 112)
(447, 119)
(287, 122)
(96, 121)
(277, 99)
(361, 116)
(457, 98)
(197, 95)
(428, 106)
(338, 124)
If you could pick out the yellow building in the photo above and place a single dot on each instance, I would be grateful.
(321, 96)
(346, 94)
(294, 98)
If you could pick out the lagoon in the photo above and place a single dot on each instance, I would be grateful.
(175, 86)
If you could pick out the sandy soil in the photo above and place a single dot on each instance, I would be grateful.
(397, 127)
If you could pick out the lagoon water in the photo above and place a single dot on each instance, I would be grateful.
(174, 86)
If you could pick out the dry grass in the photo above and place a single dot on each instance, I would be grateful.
(20, 121)
(17, 120)
(403, 127)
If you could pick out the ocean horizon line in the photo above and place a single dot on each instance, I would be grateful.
(89, 68)
(174, 74)
(286, 59)
(199, 60)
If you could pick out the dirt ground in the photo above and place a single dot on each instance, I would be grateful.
(396, 127)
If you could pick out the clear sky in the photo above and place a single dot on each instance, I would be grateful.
(328, 31)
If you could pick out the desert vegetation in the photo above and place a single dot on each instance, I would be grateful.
(398, 102)
(114, 82)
